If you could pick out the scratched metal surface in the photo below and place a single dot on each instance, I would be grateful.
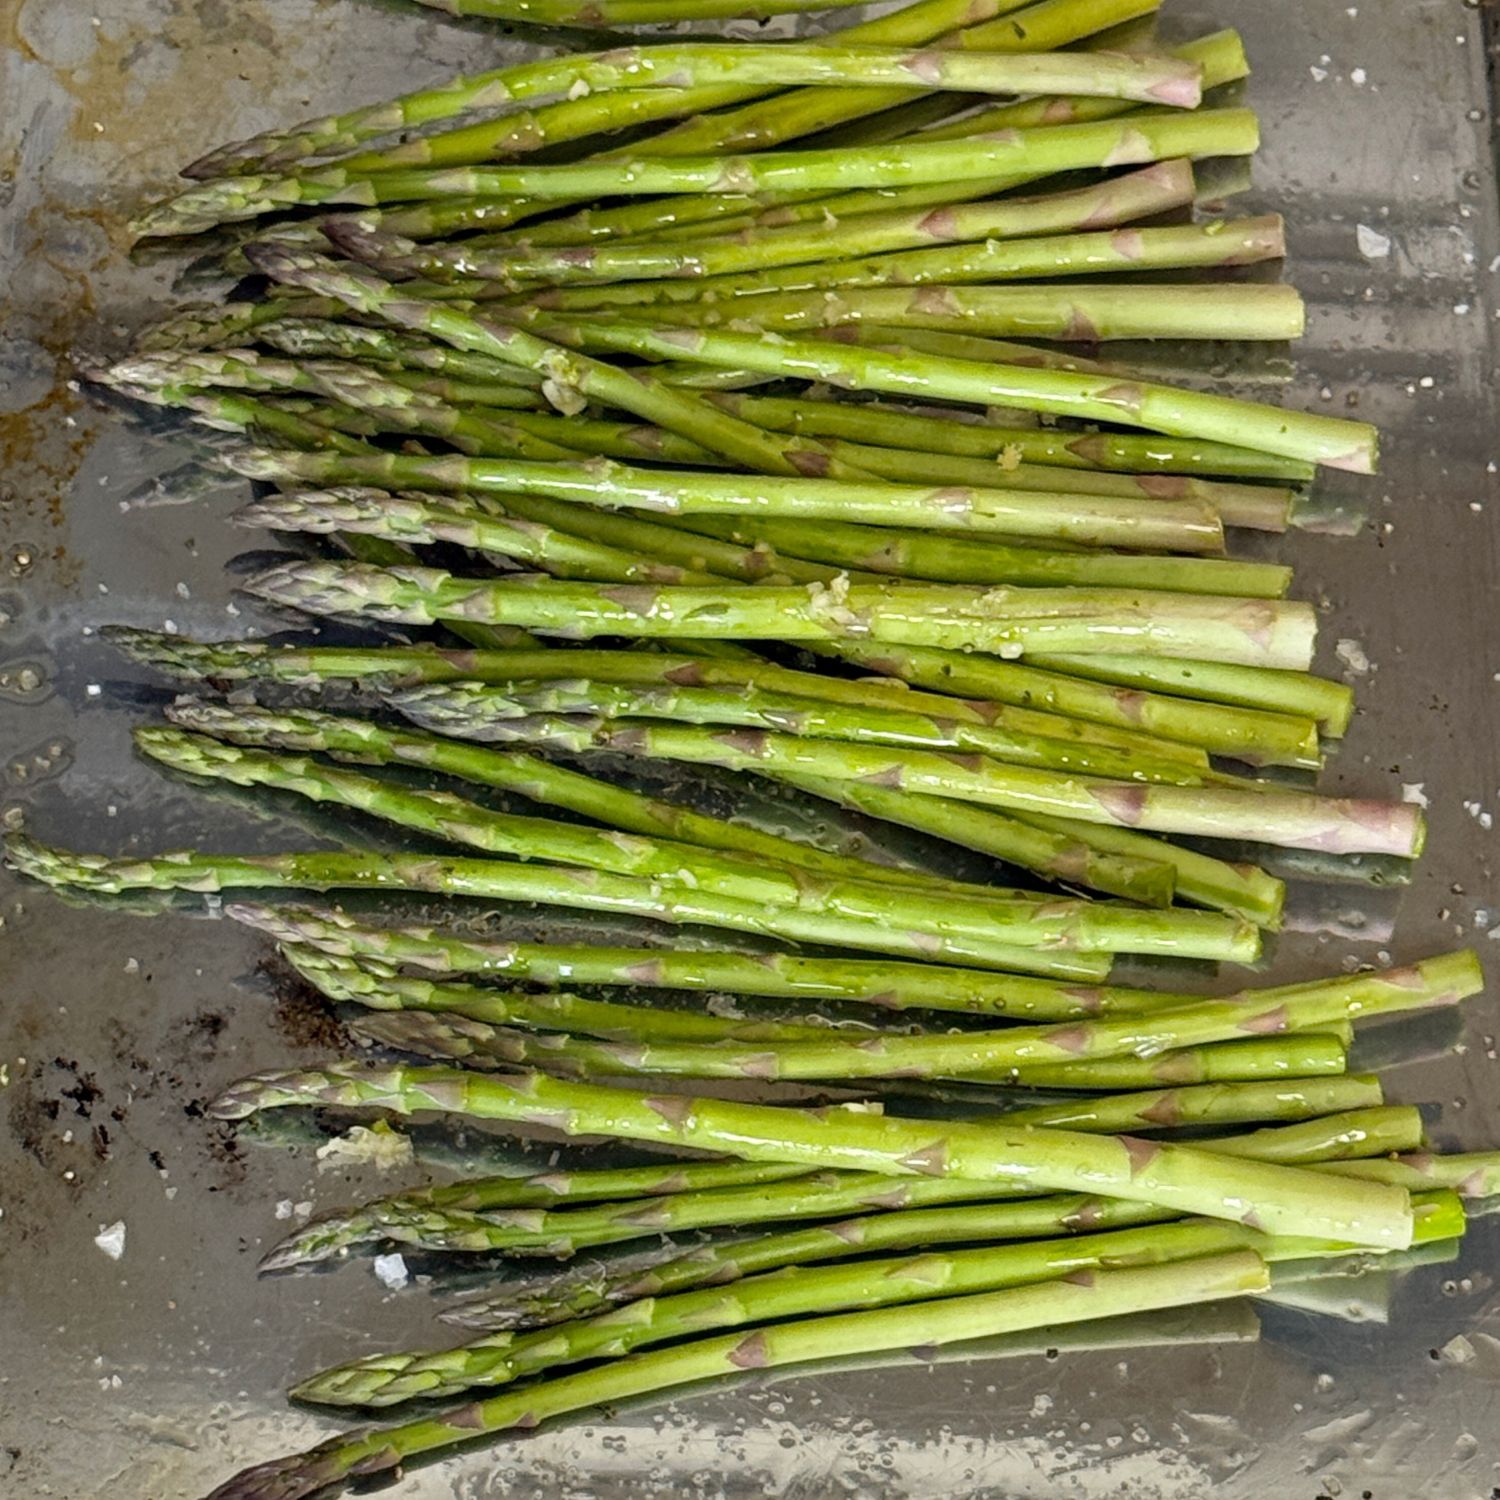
(156, 1375)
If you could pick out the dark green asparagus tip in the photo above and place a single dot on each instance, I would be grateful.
(302, 1475)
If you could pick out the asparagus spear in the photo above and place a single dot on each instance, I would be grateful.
(390, 667)
(893, 986)
(1185, 526)
(1019, 154)
(860, 980)
(498, 1359)
(333, 1234)
(1141, 79)
(1257, 507)
(706, 878)
(1472, 1174)
(1331, 441)
(1057, 856)
(1293, 819)
(554, 885)
(575, 1014)
(1119, 200)
(424, 518)
(941, 430)
(1282, 1200)
(1038, 27)
(1262, 733)
(1106, 1294)
(1068, 860)
(987, 1053)
(455, 1038)
(537, 780)
(695, 270)
(566, 374)
(1003, 620)
(1088, 313)
(763, 709)
(609, 13)
(917, 24)
(1330, 703)
(578, 549)
(568, 1295)
(1052, 24)
(1221, 885)
(1075, 858)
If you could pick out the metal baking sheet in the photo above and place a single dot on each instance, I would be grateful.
(157, 1374)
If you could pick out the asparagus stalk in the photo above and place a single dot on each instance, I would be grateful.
(379, 991)
(1260, 734)
(1145, 1035)
(1003, 620)
(1106, 1293)
(425, 518)
(440, 1037)
(498, 1359)
(891, 986)
(334, 1234)
(1090, 520)
(1300, 1055)
(1471, 1174)
(327, 338)
(479, 523)
(1071, 861)
(1222, 885)
(1188, 1180)
(389, 668)
(1046, 25)
(942, 431)
(866, 553)
(1256, 506)
(1068, 860)
(920, 23)
(708, 879)
(786, 712)
(1021, 154)
(1119, 200)
(1330, 704)
(504, 1356)
(377, 178)
(537, 780)
(944, 1221)
(610, 13)
(1087, 313)
(566, 375)
(1141, 79)
(694, 270)
(1292, 819)
(1331, 441)
(455, 1038)
(554, 885)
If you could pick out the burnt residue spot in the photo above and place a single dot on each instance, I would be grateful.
(302, 1015)
(84, 1091)
(203, 1032)
(224, 1149)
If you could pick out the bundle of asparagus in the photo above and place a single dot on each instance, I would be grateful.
(753, 425)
